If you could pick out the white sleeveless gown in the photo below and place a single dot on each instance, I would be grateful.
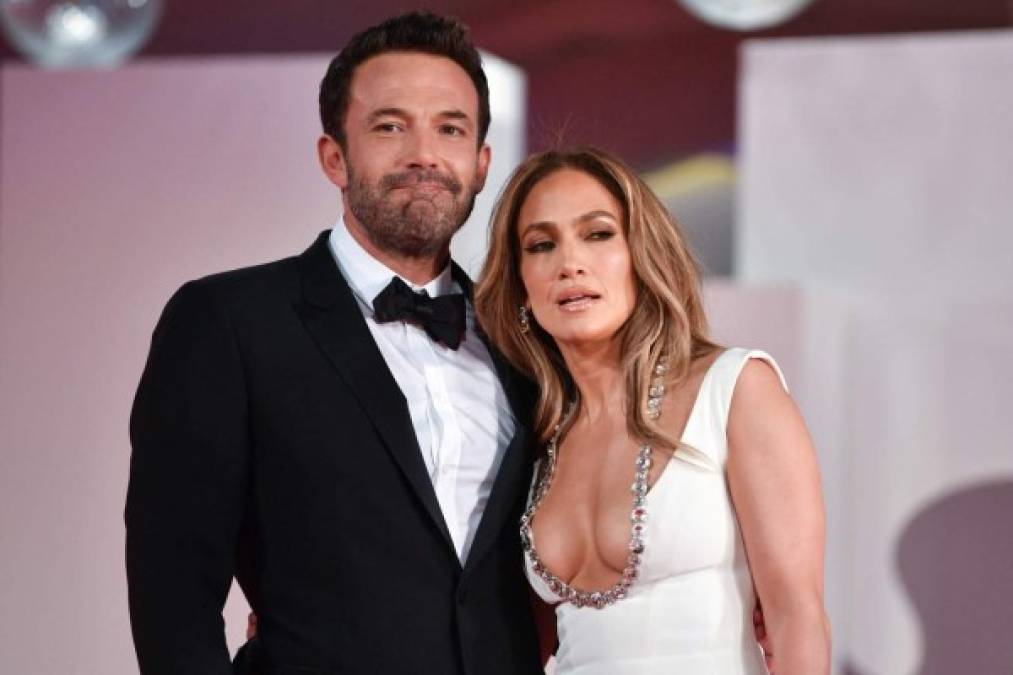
(690, 610)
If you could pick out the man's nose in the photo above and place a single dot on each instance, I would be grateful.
(422, 151)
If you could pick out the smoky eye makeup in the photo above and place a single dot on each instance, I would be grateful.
(536, 236)
(602, 230)
(537, 245)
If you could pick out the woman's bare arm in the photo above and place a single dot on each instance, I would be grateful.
(775, 486)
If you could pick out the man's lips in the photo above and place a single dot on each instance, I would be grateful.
(425, 185)
(417, 181)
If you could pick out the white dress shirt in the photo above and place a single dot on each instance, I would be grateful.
(458, 408)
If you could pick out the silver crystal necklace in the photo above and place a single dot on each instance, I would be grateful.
(638, 514)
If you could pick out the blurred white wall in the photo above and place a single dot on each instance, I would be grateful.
(876, 177)
(115, 188)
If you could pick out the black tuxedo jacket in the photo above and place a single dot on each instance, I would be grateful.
(271, 443)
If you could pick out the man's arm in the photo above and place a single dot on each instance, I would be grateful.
(188, 480)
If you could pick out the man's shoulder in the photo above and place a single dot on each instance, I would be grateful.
(244, 290)
(278, 278)
(252, 279)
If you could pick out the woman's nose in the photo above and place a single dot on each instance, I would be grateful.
(571, 264)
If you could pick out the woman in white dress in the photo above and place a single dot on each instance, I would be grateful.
(677, 476)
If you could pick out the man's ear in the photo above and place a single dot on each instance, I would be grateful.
(482, 170)
(332, 161)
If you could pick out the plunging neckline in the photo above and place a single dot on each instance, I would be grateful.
(693, 411)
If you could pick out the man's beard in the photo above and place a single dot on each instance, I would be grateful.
(418, 227)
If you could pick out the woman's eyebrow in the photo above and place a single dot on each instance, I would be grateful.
(598, 213)
(541, 225)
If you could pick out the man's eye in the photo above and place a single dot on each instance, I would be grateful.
(451, 130)
(539, 246)
(387, 127)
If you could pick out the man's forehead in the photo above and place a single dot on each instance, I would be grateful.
(401, 79)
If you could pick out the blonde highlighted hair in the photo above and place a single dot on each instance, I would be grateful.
(667, 319)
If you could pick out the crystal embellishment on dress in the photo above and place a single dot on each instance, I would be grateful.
(638, 514)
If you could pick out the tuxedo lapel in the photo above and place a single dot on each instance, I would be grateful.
(514, 472)
(334, 320)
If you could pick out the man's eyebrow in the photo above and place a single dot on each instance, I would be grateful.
(387, 112)
(456, 115)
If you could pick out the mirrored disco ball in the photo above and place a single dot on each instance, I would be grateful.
(745, 14)
(78, 33)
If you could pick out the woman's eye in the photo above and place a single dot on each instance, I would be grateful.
(601, 235)
(538, 246)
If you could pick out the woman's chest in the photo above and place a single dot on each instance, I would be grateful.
(583, 526)
(585, 521)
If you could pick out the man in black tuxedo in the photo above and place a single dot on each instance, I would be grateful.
(347, 447)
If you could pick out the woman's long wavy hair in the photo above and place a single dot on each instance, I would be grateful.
(667, 319)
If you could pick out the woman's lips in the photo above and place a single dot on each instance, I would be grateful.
(577, 303)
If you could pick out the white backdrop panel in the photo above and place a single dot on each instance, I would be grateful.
(876, 174)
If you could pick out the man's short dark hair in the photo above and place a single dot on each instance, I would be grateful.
(413, 32)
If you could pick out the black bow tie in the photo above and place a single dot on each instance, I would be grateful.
(441, 317)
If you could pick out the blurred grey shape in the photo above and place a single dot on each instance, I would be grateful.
(699, 192)
(79, 33)
(745, 15)
(955, 559)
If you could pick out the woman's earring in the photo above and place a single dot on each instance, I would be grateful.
(523, 319)
(656, 392)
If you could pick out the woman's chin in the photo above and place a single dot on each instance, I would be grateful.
(578, 337)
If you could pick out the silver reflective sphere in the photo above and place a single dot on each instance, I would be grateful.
(78, 33)
(745, 14)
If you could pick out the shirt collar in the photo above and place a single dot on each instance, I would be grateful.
(367, 276)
